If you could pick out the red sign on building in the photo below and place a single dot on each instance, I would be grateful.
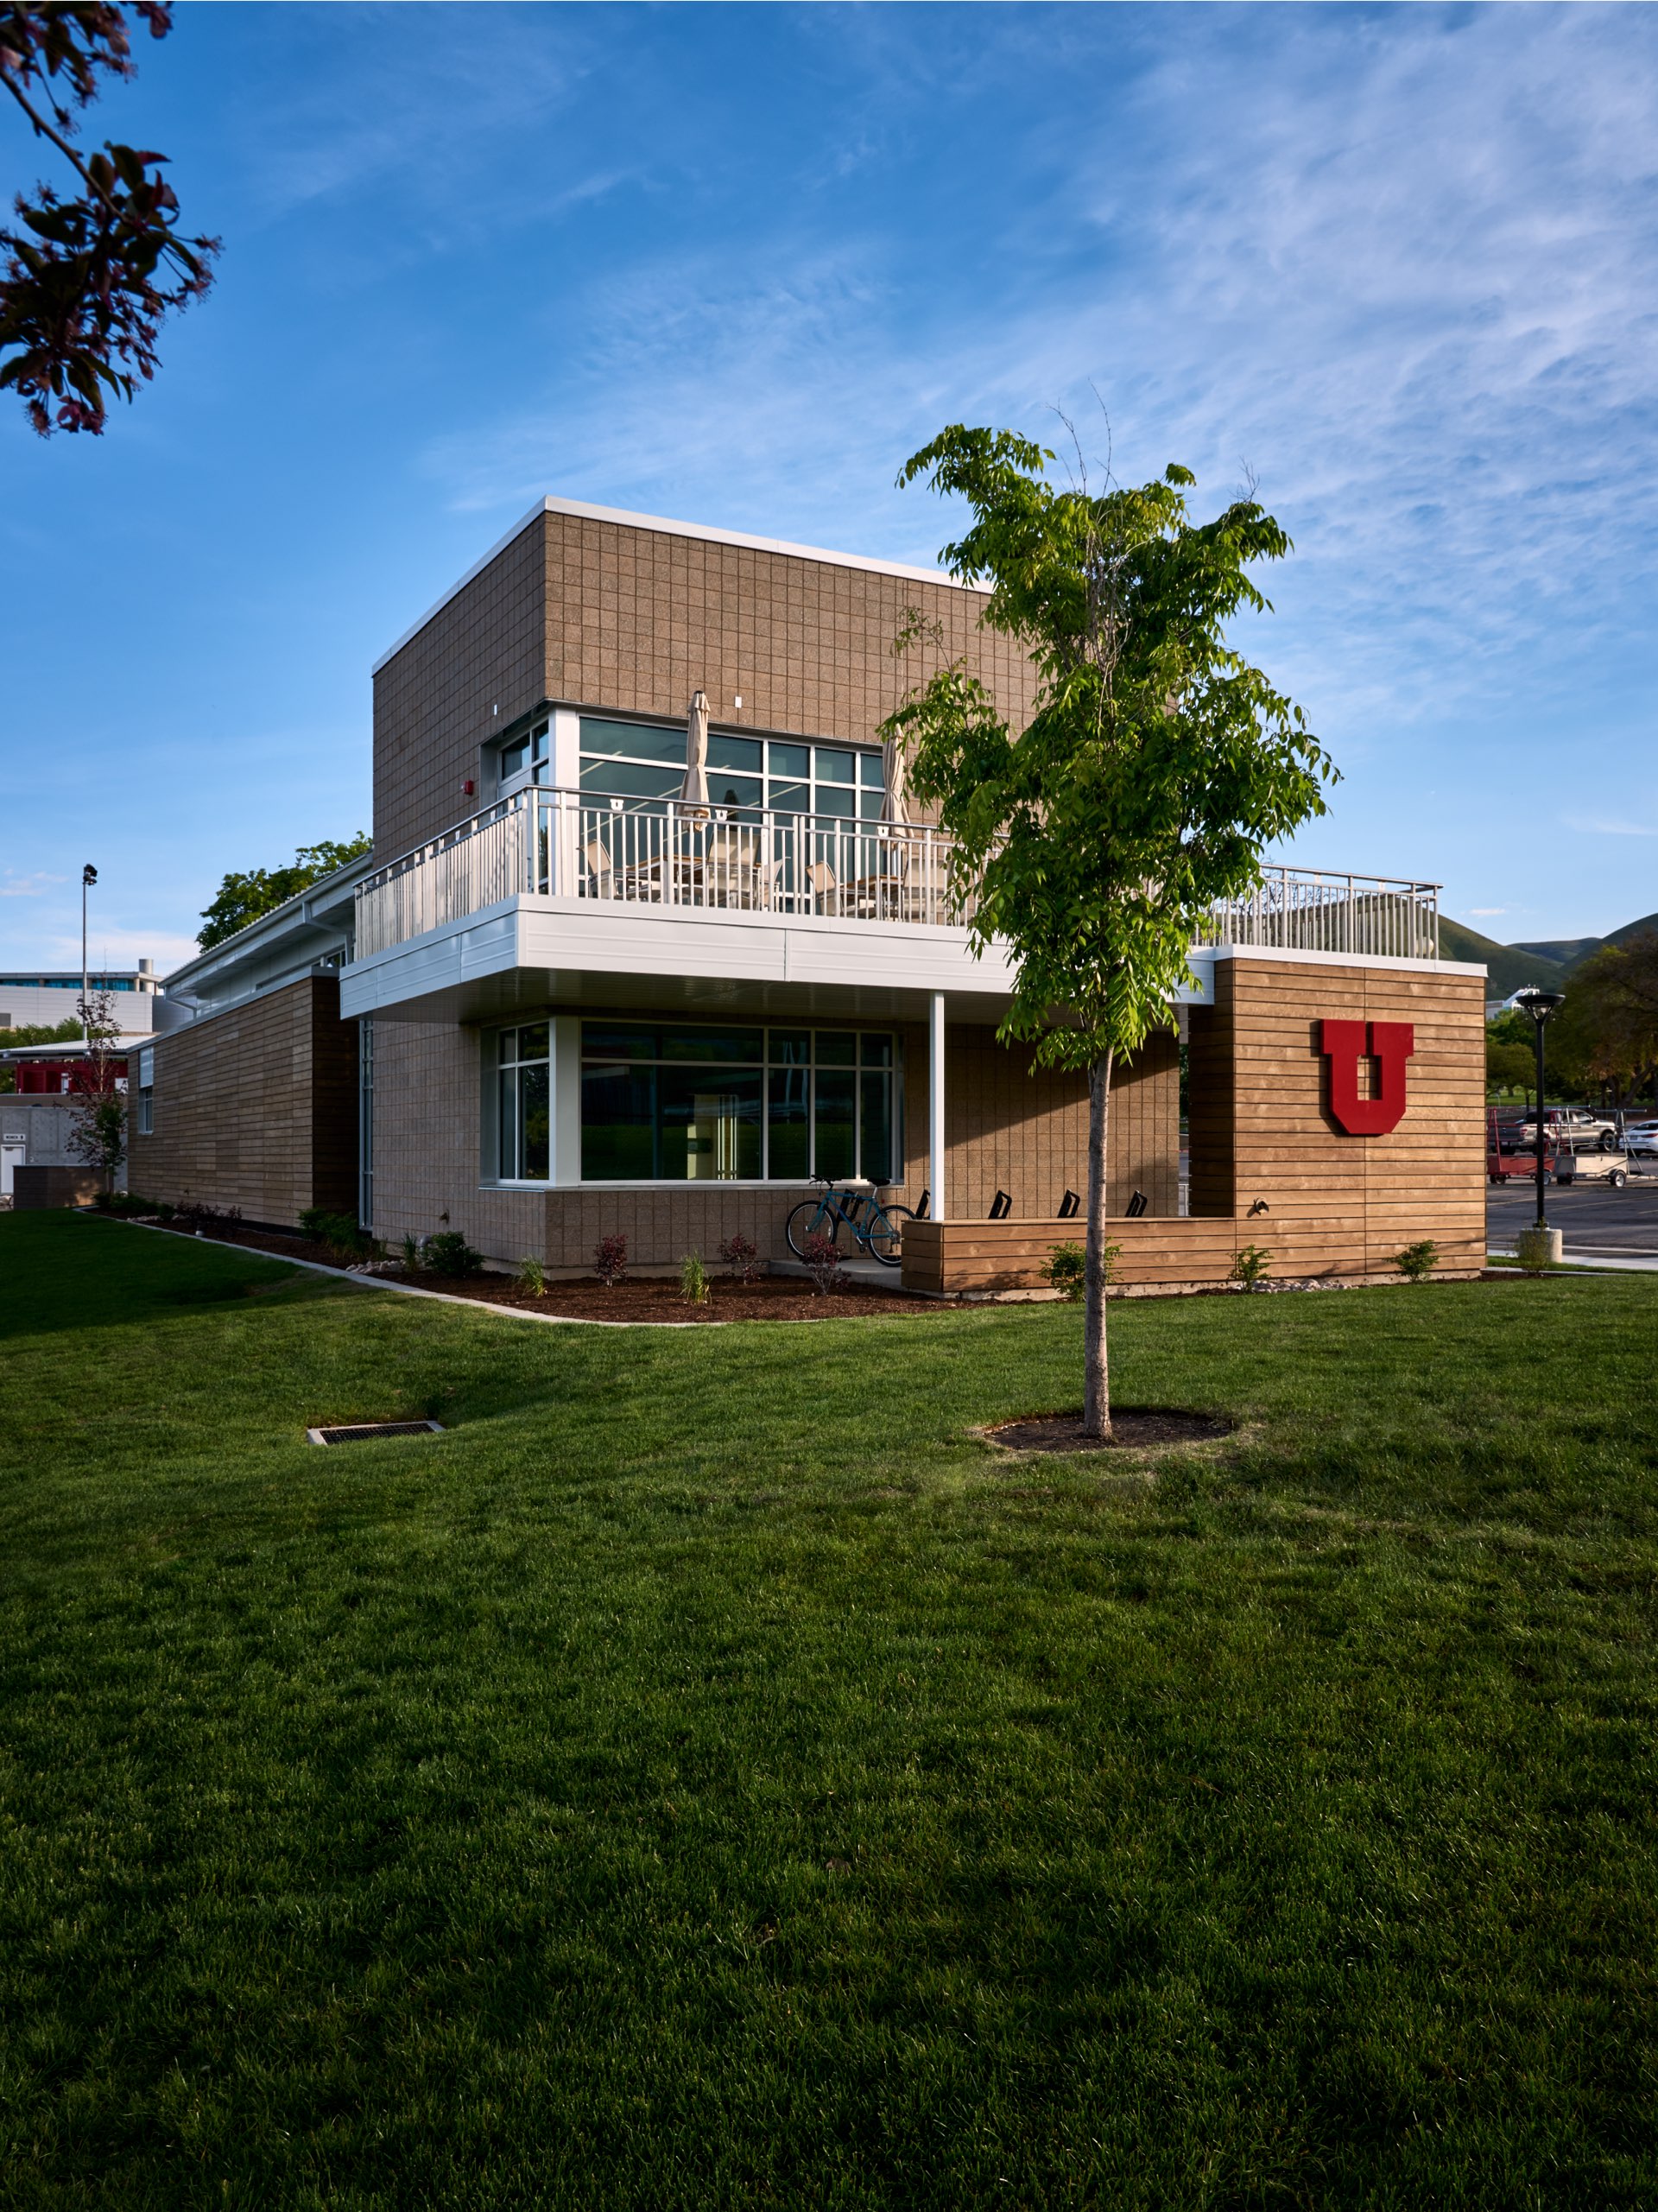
(1390, 1044)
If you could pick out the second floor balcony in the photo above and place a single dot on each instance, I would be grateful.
(603, 885)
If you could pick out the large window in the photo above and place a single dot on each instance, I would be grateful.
(527, 759)
(669, 1102)
(642, 760)
(523, 1109)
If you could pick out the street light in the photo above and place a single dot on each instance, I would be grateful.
(88, 878)
(1541, 1005)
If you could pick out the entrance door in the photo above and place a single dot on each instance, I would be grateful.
(13, 1152)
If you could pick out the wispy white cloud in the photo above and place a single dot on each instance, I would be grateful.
(1403, 264)
(121, 948)
(1592, 826)
(1486, 913)
(35, 886)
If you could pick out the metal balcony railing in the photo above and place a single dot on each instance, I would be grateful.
(658, 852)
(672, 853)
(1307, 911)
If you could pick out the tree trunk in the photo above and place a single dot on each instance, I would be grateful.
(1097, 1381)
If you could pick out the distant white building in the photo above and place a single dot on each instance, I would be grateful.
(45, 998)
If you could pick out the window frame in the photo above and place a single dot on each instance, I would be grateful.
(891, 1069)
(496, 1069)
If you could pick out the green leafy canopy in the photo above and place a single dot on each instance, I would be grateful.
(1157, 764)
(242, 899)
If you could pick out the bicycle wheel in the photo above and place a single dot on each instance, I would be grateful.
(886, 1232)
(808, 1218)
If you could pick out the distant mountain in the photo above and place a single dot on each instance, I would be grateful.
(1547, 961)
(1564, 952)
(1509, 967)
(1572, 952)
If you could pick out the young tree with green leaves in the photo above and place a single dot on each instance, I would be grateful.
(98, 1134)
(1156, 766)
(242, 899)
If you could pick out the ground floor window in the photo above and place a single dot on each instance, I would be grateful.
(672, 1102)
(147, 1091)
(524, 1104)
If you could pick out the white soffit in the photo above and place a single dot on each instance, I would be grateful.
(662, 523)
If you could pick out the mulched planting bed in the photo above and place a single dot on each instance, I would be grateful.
(773, 1297)
(1132, 1430)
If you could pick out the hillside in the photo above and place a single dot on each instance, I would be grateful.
(1546, 961)
(1571, 952)
(1509, 967)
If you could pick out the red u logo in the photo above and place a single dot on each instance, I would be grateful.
(1343, 1044)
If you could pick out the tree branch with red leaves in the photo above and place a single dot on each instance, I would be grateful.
(86, 281)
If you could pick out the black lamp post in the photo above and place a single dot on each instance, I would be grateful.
(1541, 1006)
(88, 878)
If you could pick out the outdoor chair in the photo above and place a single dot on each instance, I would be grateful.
(600, 868)
(1001, 1207)
(1070, 1206)
(1136, 1206)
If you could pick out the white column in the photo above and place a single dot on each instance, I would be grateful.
(935, 1110)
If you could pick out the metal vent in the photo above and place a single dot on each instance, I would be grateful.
(356, 1430)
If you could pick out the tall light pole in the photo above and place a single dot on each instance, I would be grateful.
(88, 878)
(1541, 1005)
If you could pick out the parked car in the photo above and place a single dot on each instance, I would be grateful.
(1641, 1137)
(1574, 1126)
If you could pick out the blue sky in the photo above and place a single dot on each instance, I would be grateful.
(734, 264)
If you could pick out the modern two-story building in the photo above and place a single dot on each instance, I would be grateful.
(652, 933)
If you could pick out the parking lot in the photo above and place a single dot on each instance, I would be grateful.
(1598, 1223)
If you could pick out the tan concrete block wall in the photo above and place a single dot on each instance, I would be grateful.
(607, 616)
(257, 1109)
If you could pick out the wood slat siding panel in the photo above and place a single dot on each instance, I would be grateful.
(1008, 1255)
(1337, 1204)
(1424, 1179)
(257, 1109)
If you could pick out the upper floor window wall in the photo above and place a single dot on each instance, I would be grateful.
(646, 761)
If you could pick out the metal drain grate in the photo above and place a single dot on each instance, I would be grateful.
(356, 1430)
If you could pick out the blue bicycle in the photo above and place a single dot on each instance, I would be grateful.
(877, 1228)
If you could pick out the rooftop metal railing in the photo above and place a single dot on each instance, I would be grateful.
(671, 852)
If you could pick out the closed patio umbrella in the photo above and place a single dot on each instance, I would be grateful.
(892, 774)
(695, 786)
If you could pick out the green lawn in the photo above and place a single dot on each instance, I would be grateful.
(706, 1778)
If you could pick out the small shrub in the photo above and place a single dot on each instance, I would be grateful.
(450, 1254)
(822, 1256)
(1418, 1261)
(693, 1280)
(531, 1277)
(413, 1256)
(127, 1202)
(196, 1214)
(341, 1234)
(1252, 1266)
(1066, 1272)
(742, 1255)
(611, 1260)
